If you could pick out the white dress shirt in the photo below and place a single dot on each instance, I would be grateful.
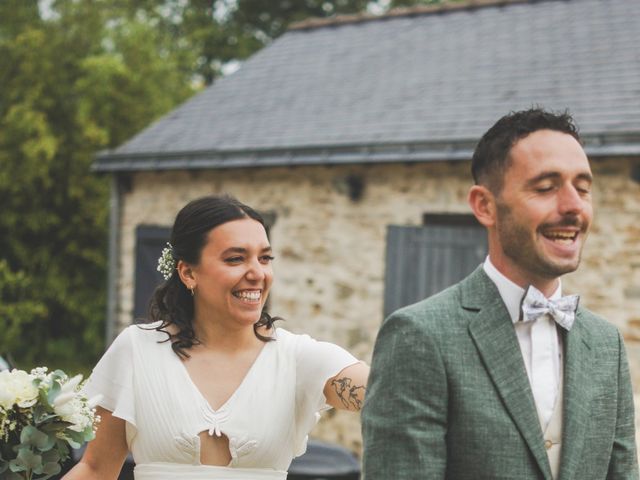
(540, 344)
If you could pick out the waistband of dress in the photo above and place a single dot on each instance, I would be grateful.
(171, 471)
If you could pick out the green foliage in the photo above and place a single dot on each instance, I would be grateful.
(208, 34)
(35, 440)
(410, 3)
(86, 77)
(266, 19)
(78, 76)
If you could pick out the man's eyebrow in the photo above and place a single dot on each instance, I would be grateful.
(555, 175)
(586, 176)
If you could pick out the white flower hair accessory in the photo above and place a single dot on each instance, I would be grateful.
(167, 262)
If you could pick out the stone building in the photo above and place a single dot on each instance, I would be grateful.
(354, 135)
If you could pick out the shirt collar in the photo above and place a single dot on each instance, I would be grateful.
(511, 293)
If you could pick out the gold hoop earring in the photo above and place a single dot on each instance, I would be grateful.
(193, 290)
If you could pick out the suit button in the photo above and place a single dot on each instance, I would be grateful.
(548, 444)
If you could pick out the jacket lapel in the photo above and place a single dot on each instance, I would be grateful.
(576, 396)
(494, 336)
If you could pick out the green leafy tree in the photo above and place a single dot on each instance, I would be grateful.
(78, 76)
(267, 19)
(219, 32)
(411, 3)
(86, 77)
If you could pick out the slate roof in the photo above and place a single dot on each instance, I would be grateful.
(418, 86)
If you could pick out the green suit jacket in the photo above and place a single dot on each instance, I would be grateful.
(449, 397)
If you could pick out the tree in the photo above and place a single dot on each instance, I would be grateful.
(85, 78)
(222, 31)
(267, 19)
(78, 76)
(411, 3)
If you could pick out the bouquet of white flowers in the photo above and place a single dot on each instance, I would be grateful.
(42, 416)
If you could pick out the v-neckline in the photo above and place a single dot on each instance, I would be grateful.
(233, 394)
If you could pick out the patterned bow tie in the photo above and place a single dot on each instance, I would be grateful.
(562, 310)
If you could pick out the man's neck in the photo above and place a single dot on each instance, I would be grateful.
(548, 286)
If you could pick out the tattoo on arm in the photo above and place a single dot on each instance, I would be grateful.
(350, 395)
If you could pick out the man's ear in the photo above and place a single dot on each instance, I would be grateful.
(483, 205)
(187, 275)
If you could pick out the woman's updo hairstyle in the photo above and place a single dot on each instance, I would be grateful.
(172, 302)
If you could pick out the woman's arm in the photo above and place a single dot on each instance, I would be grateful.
(346, 390)
(104, 456)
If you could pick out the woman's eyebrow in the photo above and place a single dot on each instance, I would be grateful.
(244, 250)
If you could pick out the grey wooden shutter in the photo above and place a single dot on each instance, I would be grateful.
(421, 261)
(150, 240)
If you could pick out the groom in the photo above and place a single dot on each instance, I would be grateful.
(499, 376)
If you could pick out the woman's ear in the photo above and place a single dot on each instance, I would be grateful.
(483, 205)
(186, 274)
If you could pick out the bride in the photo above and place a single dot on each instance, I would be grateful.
(211, 388)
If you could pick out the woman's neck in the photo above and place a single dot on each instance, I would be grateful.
(217, 335)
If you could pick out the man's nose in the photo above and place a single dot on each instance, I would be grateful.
(570, 202)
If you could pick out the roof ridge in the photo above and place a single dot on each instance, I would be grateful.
(447, 6)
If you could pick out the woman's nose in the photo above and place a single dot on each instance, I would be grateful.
(255, 271)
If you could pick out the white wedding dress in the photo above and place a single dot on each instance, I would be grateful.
(266, 420)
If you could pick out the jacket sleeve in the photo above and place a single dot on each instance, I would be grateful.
(624, 462)
(404, 418)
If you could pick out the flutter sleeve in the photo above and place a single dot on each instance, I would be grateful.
(316, 362)
(112, 378)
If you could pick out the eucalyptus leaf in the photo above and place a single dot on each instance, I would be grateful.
(53, 427)
(42, 414)
(62, 449)
(48, 469)
(51, 468)
(54, 391)
(25, 461)
(77, 437)
(88, 434)
(52, 456)
(12, 476)
(46, 477)
(30, 435)
(73, 444)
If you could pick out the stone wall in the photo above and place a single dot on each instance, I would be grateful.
(330, 250)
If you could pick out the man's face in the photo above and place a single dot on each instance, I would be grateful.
(544, 209)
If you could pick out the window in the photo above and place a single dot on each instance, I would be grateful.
(150, 240)
(424, 260)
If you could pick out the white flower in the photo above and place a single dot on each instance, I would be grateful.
(16, 387)
(72, 406)
(39, 372)
(167, 262)
(24, 400)
(72, 410)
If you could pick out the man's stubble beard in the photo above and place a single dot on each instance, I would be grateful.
(518, 245)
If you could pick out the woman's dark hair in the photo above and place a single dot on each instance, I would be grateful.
(172, 302)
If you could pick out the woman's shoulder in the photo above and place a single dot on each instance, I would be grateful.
(287, 341)
(285, 336)
(302, 343)
(142, 333)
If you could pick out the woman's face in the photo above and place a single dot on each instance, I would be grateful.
(234, 274)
